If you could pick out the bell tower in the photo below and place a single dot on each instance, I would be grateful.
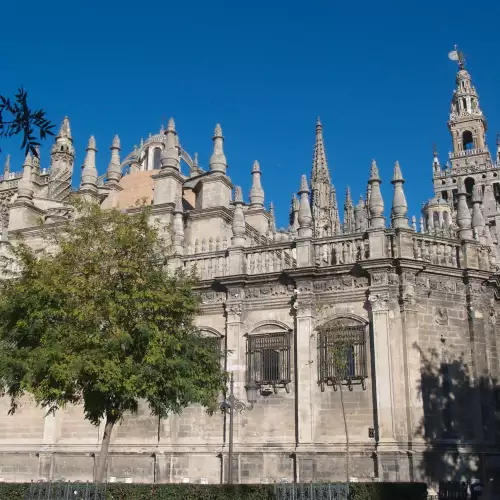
(469, 160)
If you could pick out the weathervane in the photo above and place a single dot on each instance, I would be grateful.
(457, 55)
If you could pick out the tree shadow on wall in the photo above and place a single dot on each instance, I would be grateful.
(460, 419)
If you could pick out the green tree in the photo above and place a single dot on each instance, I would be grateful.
(103, 323)
(16, 118)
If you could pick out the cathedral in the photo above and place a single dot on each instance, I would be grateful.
(414, 299)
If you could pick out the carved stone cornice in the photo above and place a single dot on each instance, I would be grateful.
(234, 311)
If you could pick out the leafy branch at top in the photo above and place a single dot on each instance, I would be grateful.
(16, 117)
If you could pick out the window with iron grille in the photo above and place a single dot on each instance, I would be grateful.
(269, 359)
(342, 355)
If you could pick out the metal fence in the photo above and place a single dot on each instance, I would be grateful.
(66, 491)
(311, 491)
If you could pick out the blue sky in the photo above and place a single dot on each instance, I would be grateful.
(376, 72)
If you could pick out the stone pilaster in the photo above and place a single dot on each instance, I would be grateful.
(411, 360)
(305, 352)
(379, 307)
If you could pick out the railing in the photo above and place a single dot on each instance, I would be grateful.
(437, 251)
(311, 491)
(209, 265)
(466, 152)
(269, 259)
(66, 491)
(341, 250)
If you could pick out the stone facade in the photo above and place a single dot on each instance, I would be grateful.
(416, 307)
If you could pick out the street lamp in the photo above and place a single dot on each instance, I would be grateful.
(229, 406)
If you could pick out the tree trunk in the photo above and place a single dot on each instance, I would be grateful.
(346, 433)
(103, 456)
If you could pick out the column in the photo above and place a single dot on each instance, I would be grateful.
(411, 360)
(305, 352)
(236, 363)
(379, 302)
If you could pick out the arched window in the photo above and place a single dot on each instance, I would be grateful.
(212, 337)
(467, 140)
(342, 353)
(435, 220)
(157, 159)
(469, 185)
(269, 356)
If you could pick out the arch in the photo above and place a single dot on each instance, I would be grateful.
(331, 320)
(469, 185)
(259, 327)
(467, 140)
(156, 159)
(211, 331)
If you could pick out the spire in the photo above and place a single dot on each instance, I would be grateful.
(348, 213)
(376, 204)
(360, 222)
(321, 187)
(294, 214)
(6, 167)
(256, 192)
(498, 149)
(178, 227)
(477, 221)
(218, 162)
(25, 189)
(463, 214)
(399, 206)
(64, 130)
(334, 210)
(272, 218)
(89, 172)
(114, 172)
(304, 216)
(239, 230)
(62, 159)
(170, 154)
(195, 169)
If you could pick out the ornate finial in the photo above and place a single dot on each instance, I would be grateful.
(91, 144)
(398, 176)
(374, 171)
(303, 185)
(238, 195)
(116, 142)
(498, 139)
(28, 160)
(256, 166)
(434, 150)
(195, 160)
(218, 131)
(458, 56)
(319, 126)
(171, 125)
(6, 167)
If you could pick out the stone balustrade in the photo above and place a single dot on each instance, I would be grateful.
(209, 265)
(344, 249)
(438, 251)
(269, 259)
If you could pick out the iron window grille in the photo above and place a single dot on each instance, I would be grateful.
(342, 356)
(269, 360)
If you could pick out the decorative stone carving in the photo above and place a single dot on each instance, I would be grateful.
(234, 311)
(379, 278)
(266, 291)
(212, 297)
(393, 279)
(409, 295)
(379, 301)
(440, 316)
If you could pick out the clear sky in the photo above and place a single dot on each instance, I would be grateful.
(376, 72)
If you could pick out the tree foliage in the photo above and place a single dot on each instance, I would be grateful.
(103, 323)
(16, 118)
